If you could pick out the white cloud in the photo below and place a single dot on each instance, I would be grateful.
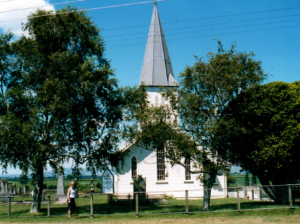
(16, 26)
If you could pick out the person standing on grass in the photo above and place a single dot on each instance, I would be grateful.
(72, 192)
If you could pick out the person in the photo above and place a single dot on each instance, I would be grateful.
(72, 192)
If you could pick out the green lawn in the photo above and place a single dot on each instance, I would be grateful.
(219, 208)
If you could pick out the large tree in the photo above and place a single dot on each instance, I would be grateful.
(205, 90)
(261, 133)
(59, 97)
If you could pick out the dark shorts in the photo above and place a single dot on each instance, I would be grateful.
(71, 204)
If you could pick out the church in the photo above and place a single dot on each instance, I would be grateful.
(160, 176)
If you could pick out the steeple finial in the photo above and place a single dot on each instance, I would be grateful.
(155, 2)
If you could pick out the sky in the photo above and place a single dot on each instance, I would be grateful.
(269, 28)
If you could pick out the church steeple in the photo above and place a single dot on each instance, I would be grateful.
(157, 68)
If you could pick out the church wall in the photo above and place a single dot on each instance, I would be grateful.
(174, 183)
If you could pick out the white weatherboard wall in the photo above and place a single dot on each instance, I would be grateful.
(174, 184)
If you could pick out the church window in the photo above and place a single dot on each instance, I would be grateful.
(156, 100)
(187, 168)
(161, 164)
(133, 167)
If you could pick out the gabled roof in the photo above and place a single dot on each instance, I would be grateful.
(157, 68)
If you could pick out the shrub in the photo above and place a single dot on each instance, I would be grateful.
(23, 178)
(169, 197)
(51, 187)
(69, 177)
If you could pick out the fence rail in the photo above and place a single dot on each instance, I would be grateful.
(136, 199)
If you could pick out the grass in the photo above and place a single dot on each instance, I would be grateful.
(126, 214)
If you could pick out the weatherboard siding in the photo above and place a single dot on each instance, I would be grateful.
(173, 184)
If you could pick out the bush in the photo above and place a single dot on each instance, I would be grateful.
(23, 178)
(69, 177)
(99, 185)
(169, 197)
(51, 187)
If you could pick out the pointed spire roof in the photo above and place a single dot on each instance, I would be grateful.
(157, 68)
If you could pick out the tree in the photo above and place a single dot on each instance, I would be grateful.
(261, 133)
(23, 178)
(77, 172)
(254, 180)
(59, 98)
(205, 90)
(69, 177)
(247, 179)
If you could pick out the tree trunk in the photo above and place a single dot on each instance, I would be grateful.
(207, 190)
(38, 189)
(279, 194)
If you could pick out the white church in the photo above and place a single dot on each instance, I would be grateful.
(161, 177)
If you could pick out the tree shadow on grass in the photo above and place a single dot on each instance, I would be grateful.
(101, 207)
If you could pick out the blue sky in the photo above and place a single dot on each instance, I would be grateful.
(270, 28)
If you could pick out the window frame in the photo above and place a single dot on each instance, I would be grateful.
(161, 167)
(187, 163)
(133, 167)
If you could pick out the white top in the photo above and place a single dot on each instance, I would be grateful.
(72, 193)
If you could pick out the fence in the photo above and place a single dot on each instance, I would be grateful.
(137, 203)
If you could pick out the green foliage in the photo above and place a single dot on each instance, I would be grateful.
(261, 133)
(50, 187)
(77, 172)
(59, 98)
(169, 197)
(69, 177)
(246, 179)
(230, 178)
(23, 178)
(205, 90)
(254, 180)
(99, 185)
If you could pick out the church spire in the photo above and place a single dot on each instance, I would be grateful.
(157, 68)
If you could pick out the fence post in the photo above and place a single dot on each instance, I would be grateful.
(137, 204)
(238, 199)
(108, 203)
(290, 196)
(48, 205)
(252, 194)
(245, 193)
(9, 206)
(260, 194)
(92, 206)
(187, 202)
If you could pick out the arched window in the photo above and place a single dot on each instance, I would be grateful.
(156, 100)
(133, 167)
(161, 164)
(187, 164)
